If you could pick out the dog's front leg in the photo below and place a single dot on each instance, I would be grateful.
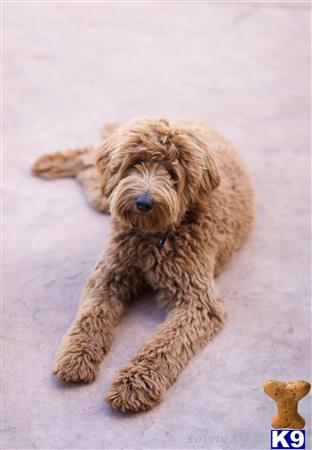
(192, 321)
(102, 305)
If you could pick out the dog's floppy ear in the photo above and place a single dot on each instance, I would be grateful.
(103, 162)
(210, 176)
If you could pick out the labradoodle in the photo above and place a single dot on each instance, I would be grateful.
(182, 202)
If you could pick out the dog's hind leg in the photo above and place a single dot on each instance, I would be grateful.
(79, 164)
(66, 164)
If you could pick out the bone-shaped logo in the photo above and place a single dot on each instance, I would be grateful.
(287, 396)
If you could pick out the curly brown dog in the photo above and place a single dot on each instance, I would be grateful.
(182, 202)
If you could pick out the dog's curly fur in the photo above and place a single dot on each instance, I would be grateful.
(203, 208)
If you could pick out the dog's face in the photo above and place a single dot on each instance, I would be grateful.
(152, 173)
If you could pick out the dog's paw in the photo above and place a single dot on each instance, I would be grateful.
(137, 388)
(75, 367)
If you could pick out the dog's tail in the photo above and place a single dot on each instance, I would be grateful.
(66, 164)
(109, 128)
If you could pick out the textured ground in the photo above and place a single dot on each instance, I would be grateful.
(68, 69)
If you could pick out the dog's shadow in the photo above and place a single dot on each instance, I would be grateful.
(140, 322)
(145, 307)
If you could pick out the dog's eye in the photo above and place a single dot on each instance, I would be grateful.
(137, 162)
(173, 175)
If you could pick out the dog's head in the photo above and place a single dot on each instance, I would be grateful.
(152, 172)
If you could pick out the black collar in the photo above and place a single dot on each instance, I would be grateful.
(162, 240)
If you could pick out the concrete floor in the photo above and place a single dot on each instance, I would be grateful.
(69, 67)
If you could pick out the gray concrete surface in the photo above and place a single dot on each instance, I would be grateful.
(68, 68)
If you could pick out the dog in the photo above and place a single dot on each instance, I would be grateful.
(182, 202)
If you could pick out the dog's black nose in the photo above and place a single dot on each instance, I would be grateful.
(144, 203)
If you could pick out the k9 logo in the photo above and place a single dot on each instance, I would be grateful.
(287, 438)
